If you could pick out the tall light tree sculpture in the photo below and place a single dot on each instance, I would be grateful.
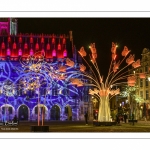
(103, 90)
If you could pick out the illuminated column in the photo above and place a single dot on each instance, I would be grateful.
(38, 107)
(31, 115)
(90, 111)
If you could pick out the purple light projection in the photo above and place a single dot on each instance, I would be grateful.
(13, 94)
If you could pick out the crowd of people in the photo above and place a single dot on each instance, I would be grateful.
(124, 118)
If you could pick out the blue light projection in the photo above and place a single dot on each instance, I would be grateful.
(18, 90)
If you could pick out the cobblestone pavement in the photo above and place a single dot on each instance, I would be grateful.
(79, 126)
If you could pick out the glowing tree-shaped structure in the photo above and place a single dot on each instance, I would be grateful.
(103, 90)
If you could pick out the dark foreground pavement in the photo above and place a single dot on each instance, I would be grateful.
(79, 126)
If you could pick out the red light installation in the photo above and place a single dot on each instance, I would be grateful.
(9, 39)
(26, 50)
(14, 50)
(64, 41)
(53, 40)
(24, 45)
(3, 46)
(31, 53)
(8, 52)
(65, 52)
(31, 40)
(42, 40)
(48, 46)
(48, 51)
(54, 52)
(20, 39)
(2, 52)
(59, 46)
(37, 46)
(20, 51)
(43, 51)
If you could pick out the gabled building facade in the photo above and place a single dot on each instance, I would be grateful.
(59, 101)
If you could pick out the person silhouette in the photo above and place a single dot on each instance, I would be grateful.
(132, 119)
(125, 118)
(15, 119)
(86, 118)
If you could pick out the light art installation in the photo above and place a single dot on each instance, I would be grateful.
(104, 90)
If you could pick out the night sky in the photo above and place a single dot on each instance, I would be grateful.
(131, 32)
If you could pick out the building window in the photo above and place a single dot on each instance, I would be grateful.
(146, 82)
(141, 82)
(141, 94)
(147, 95)
(146, 68)
(140, 70)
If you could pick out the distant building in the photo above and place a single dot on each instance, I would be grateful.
(144, 84)
(8, 26)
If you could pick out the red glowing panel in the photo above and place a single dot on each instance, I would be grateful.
(9, 39)
(31, 39)
(25, 46)
(3, 45)
(48, 46)
(31, 52)
(20, 39)
(65, 53)
(14, 45)
(8, 52)
(53, 40)
(42, 40)
(59, 47)
(43, 52)
(64, 41)
(54, 53)
(37, 46)
(20, 52)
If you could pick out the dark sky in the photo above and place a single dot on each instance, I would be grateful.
(131, 32)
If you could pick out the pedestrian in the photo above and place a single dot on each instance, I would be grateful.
(117, 119)
(145, 118)
(125, 118)
(86, 118)
(15, 119)
(132, 119)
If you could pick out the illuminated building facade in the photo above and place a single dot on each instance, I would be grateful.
(62, 101)
(144, 85)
